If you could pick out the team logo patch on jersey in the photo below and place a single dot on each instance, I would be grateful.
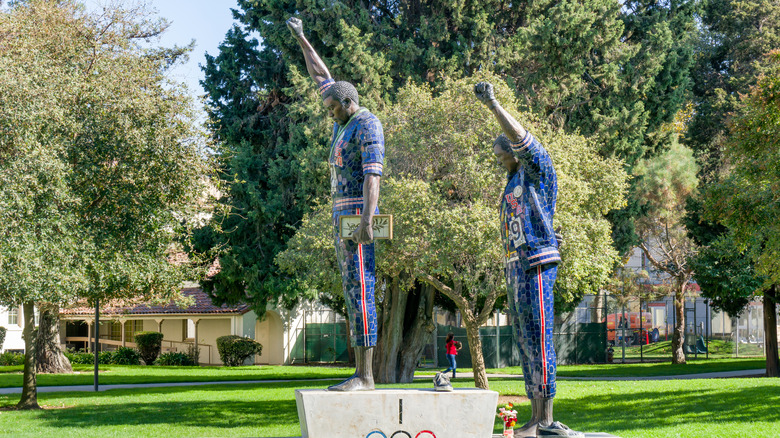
(338, 160)
(510, 198)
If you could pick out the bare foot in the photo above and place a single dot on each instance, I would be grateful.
(354, 383)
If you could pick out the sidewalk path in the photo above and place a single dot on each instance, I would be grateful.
(719, 375)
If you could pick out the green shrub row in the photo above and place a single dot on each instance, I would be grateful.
(175, 359)
(9, 359)
(130, 356)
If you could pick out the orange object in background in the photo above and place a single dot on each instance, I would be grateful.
(630, 321)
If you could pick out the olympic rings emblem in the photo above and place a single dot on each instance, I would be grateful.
(400, 434)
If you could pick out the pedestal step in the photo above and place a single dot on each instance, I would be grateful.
(397, 413)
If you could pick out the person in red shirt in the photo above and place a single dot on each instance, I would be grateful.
(452, 346)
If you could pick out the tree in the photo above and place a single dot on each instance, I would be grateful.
(99, 161)
(666, 182)
(619, 74)
(441, 191)
(746, 200)
(734, 37)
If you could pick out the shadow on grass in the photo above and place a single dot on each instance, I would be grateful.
(657, 409)
(185, 406)
(628, 409)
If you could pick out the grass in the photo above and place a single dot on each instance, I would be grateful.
(123, 374)
(718, 349)
(659, 409)
(636, 369)
(649, 369)
(120, 374)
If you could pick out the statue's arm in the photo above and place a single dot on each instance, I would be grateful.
(370, 201)
(372, 142)
(317, 69)
(511, 127)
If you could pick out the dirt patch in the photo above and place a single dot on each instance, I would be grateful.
(45, 407)
(514, 399)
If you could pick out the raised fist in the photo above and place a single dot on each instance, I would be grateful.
(484, 92)
(296, 26)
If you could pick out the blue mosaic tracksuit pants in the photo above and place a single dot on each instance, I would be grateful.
(530, 296)
(358, 277)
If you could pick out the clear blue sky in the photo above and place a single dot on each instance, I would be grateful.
(205, 21)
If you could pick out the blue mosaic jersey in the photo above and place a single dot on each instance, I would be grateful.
(528, 207)
(357, 149)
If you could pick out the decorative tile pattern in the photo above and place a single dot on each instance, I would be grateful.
(356, 150)
(527, 210)
(357, 265)
(528, 206)
(530, 295)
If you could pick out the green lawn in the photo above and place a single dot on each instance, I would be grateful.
(121, 374)
(636, 369)
(718, 349)
(649, 369)
(659, 409)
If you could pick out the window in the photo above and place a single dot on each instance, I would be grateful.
(13, 316)
(131, 328)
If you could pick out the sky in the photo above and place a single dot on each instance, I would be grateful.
(205, 21)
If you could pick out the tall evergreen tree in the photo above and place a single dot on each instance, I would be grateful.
(589, 66)
(735, 36)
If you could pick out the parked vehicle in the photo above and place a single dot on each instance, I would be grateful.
(635, 331)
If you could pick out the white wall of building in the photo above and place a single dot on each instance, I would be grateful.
(13, 334)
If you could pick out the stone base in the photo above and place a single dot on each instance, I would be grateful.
(396, 413)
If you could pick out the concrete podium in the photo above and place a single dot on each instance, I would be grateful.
(396, 413)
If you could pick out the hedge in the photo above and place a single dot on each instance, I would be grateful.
(149, 345)
(234, 350)
(175, 359)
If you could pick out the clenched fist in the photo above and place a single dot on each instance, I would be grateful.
(484, 92)
(296, 26)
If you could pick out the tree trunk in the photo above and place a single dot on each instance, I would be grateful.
(49, 354)
(678, 355)
(475, 348)
(405, 328)
(418, 336)
(597, 312)
(29, 398)
(390, 334)
(770, 332)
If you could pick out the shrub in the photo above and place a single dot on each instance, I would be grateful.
(174, 359)
(149, 345)
(105, 357)
(8, 359)
(126, 356)
(80, 358)
(234, 350)
(194, 354)
(2, 337)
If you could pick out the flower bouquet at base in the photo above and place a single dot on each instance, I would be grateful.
(509, 417)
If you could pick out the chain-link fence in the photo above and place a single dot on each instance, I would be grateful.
(602, 329)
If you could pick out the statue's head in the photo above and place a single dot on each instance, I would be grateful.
(502, 148)
(341, 99)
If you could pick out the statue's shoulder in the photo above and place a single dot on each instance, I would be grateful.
(368, 120)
